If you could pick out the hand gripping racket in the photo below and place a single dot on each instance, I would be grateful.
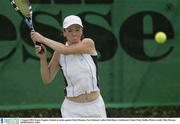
(24, 8)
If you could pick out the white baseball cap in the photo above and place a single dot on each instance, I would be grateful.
(70, 20)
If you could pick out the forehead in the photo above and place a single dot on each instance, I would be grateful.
(74, 26)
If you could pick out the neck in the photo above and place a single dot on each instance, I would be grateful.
(71, 43)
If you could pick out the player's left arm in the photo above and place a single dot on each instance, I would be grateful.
(86, 46)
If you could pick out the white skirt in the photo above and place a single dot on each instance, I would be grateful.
(94, 109)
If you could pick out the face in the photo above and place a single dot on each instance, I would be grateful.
(73, 33)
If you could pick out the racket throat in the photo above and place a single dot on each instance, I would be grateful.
(29, 23)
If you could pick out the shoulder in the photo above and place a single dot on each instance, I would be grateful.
(88, 41)
(89, 45)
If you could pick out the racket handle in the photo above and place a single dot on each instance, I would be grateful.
(36, 43)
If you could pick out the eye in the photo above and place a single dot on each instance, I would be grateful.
(69, 30)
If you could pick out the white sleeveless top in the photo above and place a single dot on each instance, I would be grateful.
(79, 71)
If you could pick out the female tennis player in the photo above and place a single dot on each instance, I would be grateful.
(77, 59)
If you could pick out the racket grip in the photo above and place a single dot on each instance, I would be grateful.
(37, 43)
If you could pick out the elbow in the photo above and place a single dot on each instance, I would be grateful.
(46, 81)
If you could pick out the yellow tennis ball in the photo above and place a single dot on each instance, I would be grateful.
(160, 37)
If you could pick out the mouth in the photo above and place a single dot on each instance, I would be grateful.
(75, 38)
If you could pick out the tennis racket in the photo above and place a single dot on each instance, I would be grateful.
(24, 9)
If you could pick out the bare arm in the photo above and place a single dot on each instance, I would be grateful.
(48, 71)
(86, 46)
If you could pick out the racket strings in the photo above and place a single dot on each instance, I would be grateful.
(22, 6)
(25, 10)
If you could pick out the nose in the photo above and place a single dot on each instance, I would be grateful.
(73, 32)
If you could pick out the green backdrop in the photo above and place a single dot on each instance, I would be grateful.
(134, 70)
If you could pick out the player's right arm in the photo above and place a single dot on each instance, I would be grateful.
(48, 71)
